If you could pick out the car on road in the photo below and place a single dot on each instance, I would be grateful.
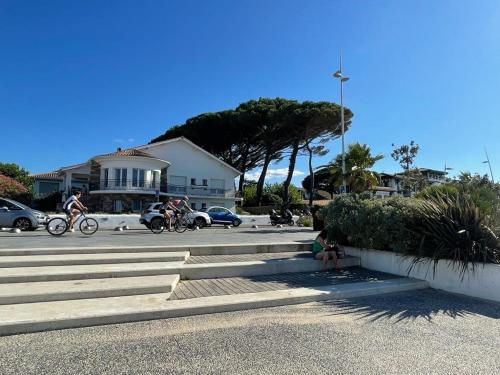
(17, 215)
(221, 215)
(200, 219)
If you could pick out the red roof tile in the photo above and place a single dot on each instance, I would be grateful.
(48, 176)
(130, 152)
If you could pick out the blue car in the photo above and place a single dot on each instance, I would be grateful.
(221, 215)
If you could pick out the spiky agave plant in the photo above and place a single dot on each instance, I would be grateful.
(452, 227)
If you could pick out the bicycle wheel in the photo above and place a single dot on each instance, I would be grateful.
(157, 225)
(181, 225)
(89, 226)
(57, 226)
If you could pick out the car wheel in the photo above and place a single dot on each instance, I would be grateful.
(199, 222)
(236, 222)
(23, 223)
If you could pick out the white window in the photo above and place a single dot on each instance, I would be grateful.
(138, 177)
(120, 176)
(203, 206)
(217, 186)
(205, 182)
(106, 177)
(193, 206)
(193, 181)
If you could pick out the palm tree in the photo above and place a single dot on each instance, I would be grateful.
(358, 161)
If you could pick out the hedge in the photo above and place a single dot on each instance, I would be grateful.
(436, 227)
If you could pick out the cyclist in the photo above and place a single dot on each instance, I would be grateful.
(182, 205)
(168, 205)
(72, 207)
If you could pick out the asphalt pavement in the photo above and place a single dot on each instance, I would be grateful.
(421, 332)
(205, 236)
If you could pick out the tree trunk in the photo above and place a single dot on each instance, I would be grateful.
(241, 182)
(262, 177)
(291, 168)
(243, 166)
(311, 174)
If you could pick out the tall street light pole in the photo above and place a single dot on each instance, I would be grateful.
(489, 164)
(338, 74)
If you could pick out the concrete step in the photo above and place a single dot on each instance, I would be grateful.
(77, 259)
(32, 317)
(94, 271)
(257, 267)
(226, 249)
(282, 264)
(84, 289)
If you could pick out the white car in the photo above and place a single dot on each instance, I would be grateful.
(201, 219)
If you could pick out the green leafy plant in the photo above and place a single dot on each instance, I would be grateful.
(452, 226)
(439, 225)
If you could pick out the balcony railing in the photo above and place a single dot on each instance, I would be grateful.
(126, 185)
(138, 185)
(200, 190)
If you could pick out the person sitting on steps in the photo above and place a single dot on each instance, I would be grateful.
(323, 251)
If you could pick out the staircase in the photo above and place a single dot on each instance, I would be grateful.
(49, 288)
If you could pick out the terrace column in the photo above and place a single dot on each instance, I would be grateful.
(67, 181)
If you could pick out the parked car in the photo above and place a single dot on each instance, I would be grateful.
(200, 219)
(17, 215)
(221, 215)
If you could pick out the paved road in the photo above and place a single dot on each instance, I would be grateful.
(41, 238)
(423, 332)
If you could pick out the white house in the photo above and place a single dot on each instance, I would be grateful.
(207, 180)
(391, 184)
(126, 180)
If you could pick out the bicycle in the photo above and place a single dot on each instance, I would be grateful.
(58, 225)
(179, 224)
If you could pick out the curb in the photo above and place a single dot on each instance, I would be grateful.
(71, 314)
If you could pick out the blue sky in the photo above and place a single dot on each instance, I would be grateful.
(79, 78)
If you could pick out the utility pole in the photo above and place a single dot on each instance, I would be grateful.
(489, 164)
(338, 74)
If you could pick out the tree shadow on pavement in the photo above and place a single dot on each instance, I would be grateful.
(277, 230)
(426, 304)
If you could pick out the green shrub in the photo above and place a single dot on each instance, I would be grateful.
(241, 211)
(440, 224)
(305, 221)
(452, 226)
(371, 223)
(48, 202)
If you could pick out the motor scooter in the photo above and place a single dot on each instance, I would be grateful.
(286, 218)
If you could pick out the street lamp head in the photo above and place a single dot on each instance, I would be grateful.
(337, 74)
(344, 79)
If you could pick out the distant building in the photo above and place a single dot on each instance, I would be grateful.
(391, 184)
(126, 180)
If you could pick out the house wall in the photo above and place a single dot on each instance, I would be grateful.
(130, 163)
(190, 162)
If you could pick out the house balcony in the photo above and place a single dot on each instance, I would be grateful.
(202, 191)
(127, 186)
